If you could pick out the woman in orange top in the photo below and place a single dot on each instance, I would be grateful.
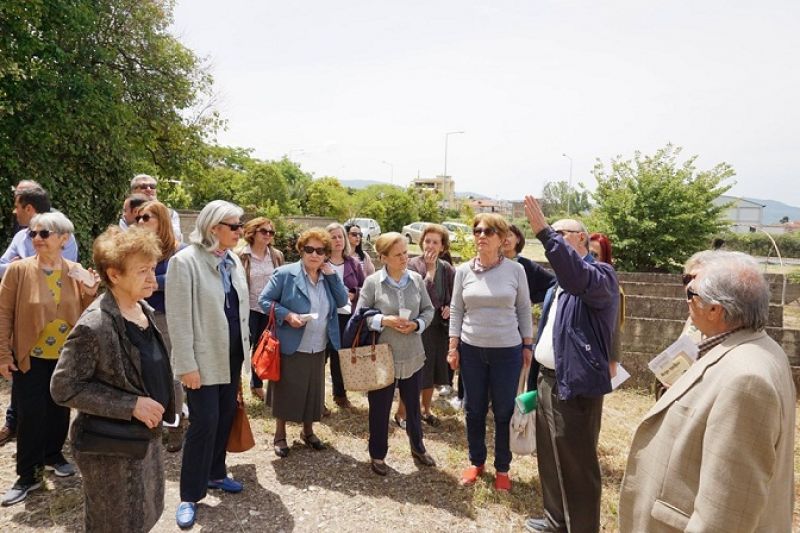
(41, 298)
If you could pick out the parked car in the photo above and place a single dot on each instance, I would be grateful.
(413, 231)
(458, 230)
(369, 227)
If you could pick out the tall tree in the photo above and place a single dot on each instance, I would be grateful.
(558, 198)
(91, 92)
(657, 210)
(326, 197)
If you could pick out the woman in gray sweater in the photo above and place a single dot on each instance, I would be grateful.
(491, 336)
(396, 291)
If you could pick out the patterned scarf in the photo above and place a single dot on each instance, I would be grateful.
(704, 346)
(477, 267)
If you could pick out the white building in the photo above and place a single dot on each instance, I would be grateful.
(741, 213)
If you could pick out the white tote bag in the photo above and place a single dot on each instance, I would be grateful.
(523, 426)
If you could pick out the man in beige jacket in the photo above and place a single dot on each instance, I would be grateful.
(715, 453)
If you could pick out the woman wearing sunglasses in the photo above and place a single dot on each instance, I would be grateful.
(491, 337)
(356, 237)
(306, 296)
(207, 308)
(41, 298)
(260, 259)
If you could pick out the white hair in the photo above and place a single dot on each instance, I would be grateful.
(335, 225)
(54, 221)
(212, 214)
(734, 281)
(141, 177)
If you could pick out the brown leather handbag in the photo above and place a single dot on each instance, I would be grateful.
(267, 354)
(240, 439)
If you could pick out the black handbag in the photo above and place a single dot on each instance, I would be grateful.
(115, 438)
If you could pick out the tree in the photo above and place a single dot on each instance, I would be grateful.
(428, 205)
(326, 197)
(91, 92)
(298, 181)
(264, 184)
(390, 205)
(558, 198)
(656, 210)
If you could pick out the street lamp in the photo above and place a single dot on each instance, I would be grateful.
(391, 169)
(753, 229)
(446, 135)
(569, 190)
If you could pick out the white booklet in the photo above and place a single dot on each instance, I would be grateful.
(673, 362)
(621, 377)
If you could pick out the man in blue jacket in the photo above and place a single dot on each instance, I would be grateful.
(572, 355)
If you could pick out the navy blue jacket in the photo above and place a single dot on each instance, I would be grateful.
(586, 318)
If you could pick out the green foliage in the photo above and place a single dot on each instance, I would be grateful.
(656, 210)
(759, 244)
(428, 209)
(92, 92)
(326, 197)
(391, 206)
(559, 199)
(297, 180)
(264, 184)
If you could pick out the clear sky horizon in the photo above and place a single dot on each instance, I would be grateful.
(368, 89)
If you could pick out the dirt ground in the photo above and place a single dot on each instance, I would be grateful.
(335, 490)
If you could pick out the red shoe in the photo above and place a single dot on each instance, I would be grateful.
(502, 483)
(470, 475)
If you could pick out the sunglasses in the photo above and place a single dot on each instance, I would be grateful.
(43, 233)
(146, 217)
(311, 250)
(687, 279)
(263, 231)
(484, 231)
(563, 232)
(151, 186)
(594, 254)
(233, 227)
(356, 233)
(690, 294)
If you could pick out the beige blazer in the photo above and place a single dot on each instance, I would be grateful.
(715, 453)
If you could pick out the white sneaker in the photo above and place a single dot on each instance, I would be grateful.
(456, 403)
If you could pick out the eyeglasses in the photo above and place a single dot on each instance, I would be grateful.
(356, 233)
(690, 294)
(151, 186)
(484, 231)
(233, 227)
(146, 217)
(687, 279)
(594, 254)
(263, 231)
(311, 250)
(43, 233)
(563, 232)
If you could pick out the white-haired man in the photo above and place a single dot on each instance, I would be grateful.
(148, 185)
(715, 453)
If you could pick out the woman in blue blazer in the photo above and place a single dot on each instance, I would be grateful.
(306, 296)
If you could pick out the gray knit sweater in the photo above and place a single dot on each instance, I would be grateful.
(491, 309)
(407, 349)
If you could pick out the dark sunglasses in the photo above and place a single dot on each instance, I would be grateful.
(356, 233)
(146, 217)
(690, 294)
(233, 227)
(484, 231)
(687, 279)
(43, 233)
(311, 250)
(594, 254)
(563, 232)
(263, 231)
(151, 186)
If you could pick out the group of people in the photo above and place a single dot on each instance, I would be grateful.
(176, 323)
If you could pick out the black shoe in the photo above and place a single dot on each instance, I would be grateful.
(379, 468)
(20, 491)
(424, 458)
(281, 451)
(312, 441)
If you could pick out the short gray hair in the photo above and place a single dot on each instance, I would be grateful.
(335, 225)
(53, 221)
(699, 259)
(734, 281)
(141, 177)
(212, 214)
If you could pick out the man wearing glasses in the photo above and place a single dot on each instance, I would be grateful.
(579, 316)
(715, 453)
(147, 185)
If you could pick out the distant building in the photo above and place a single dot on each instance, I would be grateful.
(444, 185)
(741, 213)
(483, 205)
(517, 209)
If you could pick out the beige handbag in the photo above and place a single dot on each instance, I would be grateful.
(366, 368)
(522, 429)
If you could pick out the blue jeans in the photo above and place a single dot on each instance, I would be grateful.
(488, 371)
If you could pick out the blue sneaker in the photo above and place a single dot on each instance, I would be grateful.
(226, 484)
(186, 514)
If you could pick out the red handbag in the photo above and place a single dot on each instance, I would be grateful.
(267, 355)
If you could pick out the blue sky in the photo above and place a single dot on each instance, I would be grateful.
(368, 89)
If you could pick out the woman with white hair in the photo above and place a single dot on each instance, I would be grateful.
(41, 298)
(207, 308)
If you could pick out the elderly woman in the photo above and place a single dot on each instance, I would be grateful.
(207, 309)
(438, 276)
(349, 271)
(306, 296)
(155, 217)
(356, 237)
(259, 259)
(396, 291)
(491, 336)
(40, 301)
(115, 371)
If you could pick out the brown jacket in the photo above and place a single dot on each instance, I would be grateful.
(27, 306)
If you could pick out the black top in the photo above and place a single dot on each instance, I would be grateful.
(539, 279)
(155, 367)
